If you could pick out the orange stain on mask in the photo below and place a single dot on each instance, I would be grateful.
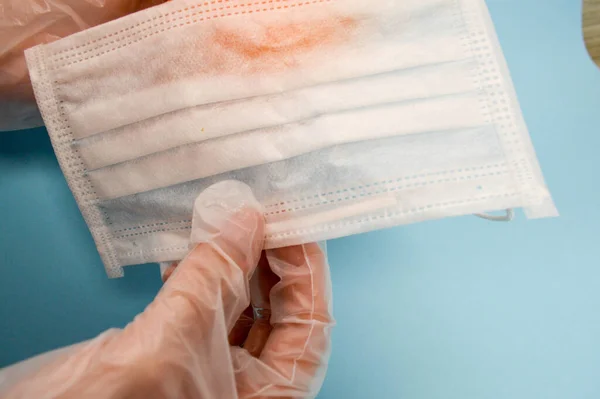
(281, 46)
(246, 51)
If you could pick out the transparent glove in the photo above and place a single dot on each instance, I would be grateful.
(186, 344)
(26, 23)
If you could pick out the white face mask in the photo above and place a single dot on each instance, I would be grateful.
(343, 116)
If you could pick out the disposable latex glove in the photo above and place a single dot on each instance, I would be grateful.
(179, 346)
(26, 23)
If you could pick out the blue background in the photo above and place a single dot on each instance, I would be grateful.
(449, 309)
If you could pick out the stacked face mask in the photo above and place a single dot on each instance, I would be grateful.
(343, 116)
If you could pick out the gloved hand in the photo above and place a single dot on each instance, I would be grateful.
(179, 348)
(26, 23)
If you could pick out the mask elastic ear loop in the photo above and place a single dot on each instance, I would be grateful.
(508, 217)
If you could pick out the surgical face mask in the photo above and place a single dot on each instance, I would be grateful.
(343, 116)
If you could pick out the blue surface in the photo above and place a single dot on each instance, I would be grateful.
(450, 309)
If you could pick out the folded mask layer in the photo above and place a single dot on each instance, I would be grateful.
(343, 116)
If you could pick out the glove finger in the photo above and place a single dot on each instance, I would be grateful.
(301, 314)
(189, 321)
(294, 359)
(228, 228)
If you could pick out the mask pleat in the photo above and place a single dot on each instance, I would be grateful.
(212, 157)
(335, 174)
(207, 122)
